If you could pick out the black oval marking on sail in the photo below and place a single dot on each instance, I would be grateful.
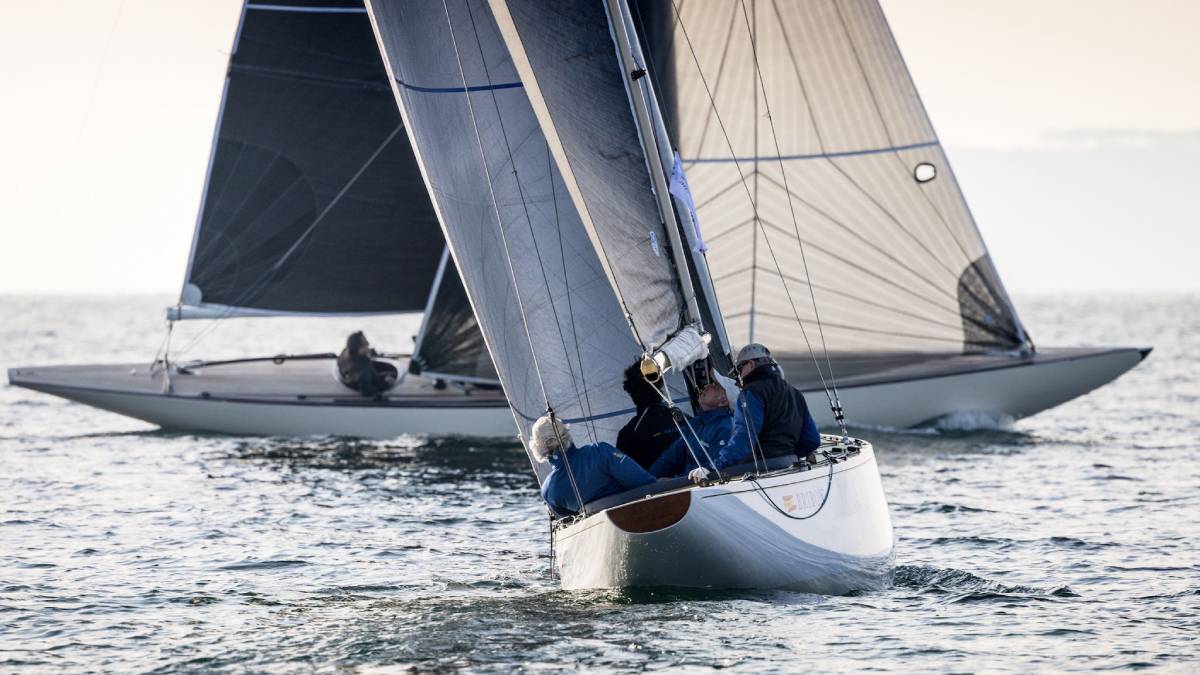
(924, 172)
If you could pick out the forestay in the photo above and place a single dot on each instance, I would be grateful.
(449, 345)
(567, 59)
(551, 320)
(313, 202)
(848, 163)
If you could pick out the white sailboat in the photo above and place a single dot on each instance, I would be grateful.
(542, 145)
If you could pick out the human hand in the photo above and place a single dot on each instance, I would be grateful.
(699, 475)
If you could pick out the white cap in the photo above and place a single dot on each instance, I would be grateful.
(549, 434)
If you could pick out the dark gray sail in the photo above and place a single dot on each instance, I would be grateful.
(551, 319)
(313, 203)
(449, 344)
(566, 55)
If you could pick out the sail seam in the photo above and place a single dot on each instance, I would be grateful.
(816, 155)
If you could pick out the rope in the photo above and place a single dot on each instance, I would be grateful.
(828, 488)
(532, 235)
(835, 402)
(507, 252)
(754, 206)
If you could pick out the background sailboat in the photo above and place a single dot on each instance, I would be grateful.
(312, 206)
(799, 122)
(917, 321)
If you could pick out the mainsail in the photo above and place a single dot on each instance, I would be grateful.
(313, 203)
(798, 122)
(555, 326)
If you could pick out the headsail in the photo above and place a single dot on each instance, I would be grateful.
(449, 345)
(313, 202)
(576, 84)
(553, 323)
(895, 260)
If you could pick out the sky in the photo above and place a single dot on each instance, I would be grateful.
(1073, 127)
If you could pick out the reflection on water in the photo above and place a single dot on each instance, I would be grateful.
(1067, 540)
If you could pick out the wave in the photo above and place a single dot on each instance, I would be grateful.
(961, 586)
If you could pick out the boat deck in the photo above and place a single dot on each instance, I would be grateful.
(299, 380)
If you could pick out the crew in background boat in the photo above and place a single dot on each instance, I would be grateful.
(712, 426)
(358, 370)
(771, 417)
(599, 469)
(651, 431)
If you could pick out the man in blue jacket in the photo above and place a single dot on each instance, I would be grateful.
(599, 469)
(771, 417)
(712, 425)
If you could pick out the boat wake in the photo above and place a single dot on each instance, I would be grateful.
(955, 586)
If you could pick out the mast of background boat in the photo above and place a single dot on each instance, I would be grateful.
(660, 149)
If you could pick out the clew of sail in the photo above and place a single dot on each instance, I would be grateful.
(847, 163)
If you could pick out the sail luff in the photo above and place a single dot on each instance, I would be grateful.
(648, 132)
(549, 129)
(212, 156)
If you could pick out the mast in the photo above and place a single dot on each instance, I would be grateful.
(646, 127)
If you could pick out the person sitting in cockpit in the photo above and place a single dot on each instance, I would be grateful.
(358, 371)
(599, 469)
(703, 436)
(651, 430)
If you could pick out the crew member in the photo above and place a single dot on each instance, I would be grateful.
(599, 469)
(711, 426)
(358, 371)
(651, 431)
(771, 417)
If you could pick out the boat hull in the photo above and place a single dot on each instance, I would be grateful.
(268, 399)
(729, 536)
(246, 400)
(1002, 389)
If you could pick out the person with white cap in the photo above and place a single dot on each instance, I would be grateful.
(703, 435)
(595, 470)
(771, 417)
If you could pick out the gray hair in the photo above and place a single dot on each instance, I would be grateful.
(548, 435)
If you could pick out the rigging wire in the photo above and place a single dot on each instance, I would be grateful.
(507, 252)
(529, 223)
(836, 403)
(754, 206)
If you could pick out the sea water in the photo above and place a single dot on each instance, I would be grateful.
(1064, 541)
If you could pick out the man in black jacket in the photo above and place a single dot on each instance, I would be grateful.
(651, 431)
(771, 417)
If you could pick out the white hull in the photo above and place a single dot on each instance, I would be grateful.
(1000, 393)
(247, 418)
(1001, 388)
(731, 537)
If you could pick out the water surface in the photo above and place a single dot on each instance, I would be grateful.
(1065, 541)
